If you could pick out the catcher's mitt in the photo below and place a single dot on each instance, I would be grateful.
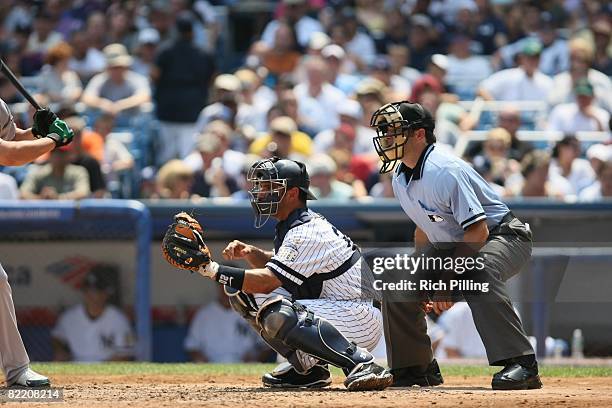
(183, 245)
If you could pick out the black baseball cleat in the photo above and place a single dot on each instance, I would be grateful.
(286, 376)
(416, 375)
(368, 377)
(517, 377)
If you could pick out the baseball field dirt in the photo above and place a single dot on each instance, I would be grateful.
(234, 389)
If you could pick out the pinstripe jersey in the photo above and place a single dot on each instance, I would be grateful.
(314, 260)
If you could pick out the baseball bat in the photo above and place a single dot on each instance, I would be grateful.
(9, 74)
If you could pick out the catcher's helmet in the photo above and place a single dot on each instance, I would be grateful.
(270, 180)
(392, 121)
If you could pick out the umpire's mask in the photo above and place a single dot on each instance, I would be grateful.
(393, 123)
(270, 179)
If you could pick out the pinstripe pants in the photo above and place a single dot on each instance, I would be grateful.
(359, 321)
(13, 356)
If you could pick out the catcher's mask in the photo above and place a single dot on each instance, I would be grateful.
(270, 179)
(393, 122)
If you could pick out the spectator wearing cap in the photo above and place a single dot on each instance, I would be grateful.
(211, 180)
(226, 95)
(146, 51)
(399, 87)
(602, 34)
(581, 66)
(351, 131)
(567, 163)
(80, 157)
(295, 14)
(56, 180)
(335, 58)
(323, 180)
(371, 94)
(86, 60)
(57, 81)
(554, 57)
(602, 188)
(181, 75)
(95, 330)
(581, 115)
(118, 91)
(283, 140)
(524, 83)
(318, 99)
(174, 180)
(465, 70)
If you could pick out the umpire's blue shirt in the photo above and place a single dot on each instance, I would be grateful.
(443, 195)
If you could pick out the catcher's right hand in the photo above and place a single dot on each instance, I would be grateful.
(183, 245)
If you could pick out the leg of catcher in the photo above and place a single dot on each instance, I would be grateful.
(299, 328)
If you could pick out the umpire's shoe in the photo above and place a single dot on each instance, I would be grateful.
(368, 376)
(517, 377)
(417, 375)
(286, 376)
(30, 378)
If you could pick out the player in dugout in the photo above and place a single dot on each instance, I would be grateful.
(306, 297)
(19, 147)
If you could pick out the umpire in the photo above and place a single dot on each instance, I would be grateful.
(450, 203)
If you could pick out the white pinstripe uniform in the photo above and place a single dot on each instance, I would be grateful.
(321, 269)
(13, 356)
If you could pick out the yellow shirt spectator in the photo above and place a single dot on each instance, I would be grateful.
(283, 140)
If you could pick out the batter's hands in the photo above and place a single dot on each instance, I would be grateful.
(237, 250)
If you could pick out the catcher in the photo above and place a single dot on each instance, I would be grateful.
(305, 297)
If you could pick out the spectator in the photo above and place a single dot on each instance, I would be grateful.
(581, 61)
(602, 33)
(94, 330)
(43, 36)
(602, 189)
(97, 30)
(323, 181)
(146, 51)
(8, 187)
(57, 180)
(581, 115)
(120, 30)
(226, 89)
(211, 180)
(335, 57)
(420, 41)
(461, 339)
(86, 60)
(535, 180)
(289, 105)
(284, 140)
(80, 157)
(174, 180)
(285, 53)
(399, 57)
(358, 45)
(490, 29)
(295, 14)
(181, 76)
(495, 158)
(318, 100)
(524, 83)
(465, 70)
(567, 163)
(399, 87)
(383, 188)
(57, 81)
(217, 334)
(118, 91)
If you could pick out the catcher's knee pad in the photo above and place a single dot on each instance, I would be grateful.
(299, 328)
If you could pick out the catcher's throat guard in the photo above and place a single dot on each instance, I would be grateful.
(391, 133)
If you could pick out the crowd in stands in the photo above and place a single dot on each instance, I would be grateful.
(521, 89)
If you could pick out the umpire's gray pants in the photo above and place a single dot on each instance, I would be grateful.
(507, 250)
(13, 356)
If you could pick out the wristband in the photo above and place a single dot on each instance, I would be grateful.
(230, 276)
